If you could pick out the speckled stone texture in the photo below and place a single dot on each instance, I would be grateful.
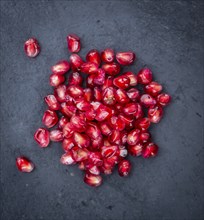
(168, 37)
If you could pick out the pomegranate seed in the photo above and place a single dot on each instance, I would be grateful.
(75, 91)
(61, 67)
(73, 42)
(127, 119)
(112, 161)
(75, 79)
(95, 158)
(130, 109)
(94, 57)
(115, 137)
(107, 55)
(163, 99)
(108, 82)
(140, 112)
(93, 169)
(133, 137)
(79, 123)
(79, 154)
(56, 135)
(82, 104)
(96, 144)
(76, 62)
(111, 68)
(150, 150)
(68, 130)
(109, 151)
(117, 123)
(103, 113)
(90, 114)
(68, 109)
(56, 79)
(24, 165)
(121, 96)
(67, 159)
(153, 88)
(108, 96)
(81, 140)
(93, 131)
(99, 77)
(97, 94)
(123, 151)
(124, 135)
(125, 58)
(95, 105)
(143, 124)
(52, 102)
(32, 47)
(61, 93)
(42, 137)
(89, 68)
(106, 168)
(144, 76)
(135, 150)
(133, 94)
(50, 118)
(145, 137)
(132, 77)
(62, 122)
(90, 80)
(88, 94)
(147, 100)
(122, 82)
(92, 180)
(67, 144)
(105, 129)
(155, 114)
(124, 167)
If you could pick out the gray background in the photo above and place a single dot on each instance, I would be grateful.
(168, 37)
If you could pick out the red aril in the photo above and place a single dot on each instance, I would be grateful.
(56, 79)
(99, 77)
(124, 167)
(122, 82)
(68, 130)
(150, 150)
(79, 154)
(111, 68)
(155, 114)
(125, 58)
(133, 137)
(94, 57)
(121, 96)
(67, 159)
(42, 137)
(67, 144)
(108, 96)
(61, 67)
(75, 79)
(52, 102)
(32, 47)
(56, 135)
(144, 76)
(81, 140)
(132, 77)
(133, 94)
(50, 118)
(163, 99)
(147, 100)
(92, 180)
(76, 62)
(153, 88)
(107, 55)
(89, 68)
(135, 150)
(24, 165)
(74, 44)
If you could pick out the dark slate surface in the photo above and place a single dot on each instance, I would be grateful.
(168, 37)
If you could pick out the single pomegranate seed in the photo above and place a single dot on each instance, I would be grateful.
(132, 77)
(61, 93)
(56, 79)
(92, 180)
(111, 68)
(68, 130)
(107, 55)
(127, 119)
(133, 137)
(94, 57)
(67, 144)
(75, 91)
(105, 128)
(90, 80)
(67, 159)
(95, 158)
(108, 82)
(89, 68)
(125, 58)
(153, 88)
(122, 82)
(135, 150)
(130, 109)
(32, 47)
(93, 131)
(155, 114)
(61, 67)
(143, 124)
(121, 96)
(109, 151)
(68, 109)
(97, 94)
(42, 137)
(112, 161)
(115, 137)
(24, 165)
(79, 123)
(82, 104)
(50, 118)
(90, 114)
(145, 137)
(150, 150)
(96, 105)
(93, 169)
(103, 113)
(107, 168)
(147, 100)
(163, 99)
(62, 122)
(88, 94)
(56, 135)
(117, 123)
(124, 167)
(81, 140)
(76, 62)
(96, 144)
(133, 94)
(140, 112)
(73, 42)
(75, 79)
(52, 102)
(79, 154)
(99, 77)
(144, 76)
(124, 135)
(108, 96)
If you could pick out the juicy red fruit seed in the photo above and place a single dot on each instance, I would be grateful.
(92, 180)
(122, 82)
(50, 118)
(150, 150)
(74, 44)
(124, 168)
(93, 131)
(111, 68)
(42, 137)
(62, 122)
(79, 154)
(67, 144)
(81, 140)
(107, 55)
(68, 109)
(61, 93)
(99, 77)
(97, 94)
(89, 68)
(75, 79)
(61, 67)
(109, 151)
(108, 82)
(103, 113)
(68, 130)
(133, 137)
(133, 94)
(143, 124)
(56, 135)
(115, 137)
(75, 62)
(67, 159)
(163, 99)
(144, 76)
(92, 169)
(88, 94)
(130, 109)
(108, 96)
(145, 137)
(121, 96)
(147, 100)
(75, 91)
(56, 79)
(32, 47)
(132, 77)
(52, 102)
(153, 88)
(125, 58)
(96, 158)
(94, 57)
(24, 165)
(105, 128)
(78, 122)
(135, 150)
(155, 114)
(117, 123)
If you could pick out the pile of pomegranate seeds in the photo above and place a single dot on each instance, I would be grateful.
(101, 124)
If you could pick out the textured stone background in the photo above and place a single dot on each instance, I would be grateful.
(168, 37)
